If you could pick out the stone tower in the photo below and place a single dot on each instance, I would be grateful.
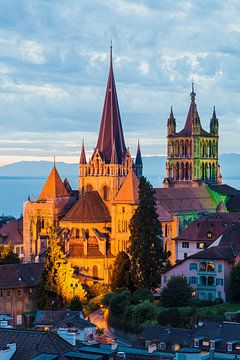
(192, 153)
(111, 160)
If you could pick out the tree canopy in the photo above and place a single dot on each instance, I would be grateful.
(121, 276)
(235, 282)
(7, 255)
(58, 285)
(148, 257)
(177, 292)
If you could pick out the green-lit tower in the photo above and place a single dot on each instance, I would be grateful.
(192, 153)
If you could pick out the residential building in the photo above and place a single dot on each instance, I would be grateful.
(12, 233)
(208, 270)
(17, 284)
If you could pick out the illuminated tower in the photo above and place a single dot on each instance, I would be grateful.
(192, 153)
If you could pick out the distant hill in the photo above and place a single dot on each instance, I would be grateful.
(154, 167)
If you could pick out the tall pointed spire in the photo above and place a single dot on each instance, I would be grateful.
(53, 187)
(111, 127)
(83, 160)
(214, 123)
(138, 160)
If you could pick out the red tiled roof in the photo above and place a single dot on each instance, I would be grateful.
(128, 192)
(185, 200)
(53, 187)
(111, 132)
(90, 208)
(20, 275)
(12, 232)
(217, 224)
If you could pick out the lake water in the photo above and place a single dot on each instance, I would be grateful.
(15, 190)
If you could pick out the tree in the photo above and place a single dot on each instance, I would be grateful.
(119, 303)
(143, 314)
(177, 292)
(7, 255)
(235, 282)
(121, 277)
(140, 295)
(75, 304)
(146, 251)
(58, 285)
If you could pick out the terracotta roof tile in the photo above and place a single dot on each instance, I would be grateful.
(90, 208)
(128, 192)
(53, 187)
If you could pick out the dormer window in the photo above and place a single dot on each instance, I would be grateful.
(212, 345)
(162, 345)
(196, 343)
(229, 346)
(209, 234)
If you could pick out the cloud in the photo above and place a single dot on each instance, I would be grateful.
(54, 62)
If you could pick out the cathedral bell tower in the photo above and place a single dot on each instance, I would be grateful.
(111, 160)
(192, 156)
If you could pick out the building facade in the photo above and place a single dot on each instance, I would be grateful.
(192, 153)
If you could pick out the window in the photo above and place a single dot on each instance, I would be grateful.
(77, 233)
(203, 280)
(196, 343)
(167, 278)
(42, 223)
(123, 209)
(192, 280)
(105, 193)
(162, 345)
(212, 345)
(210, 266)
(192, 266)
(8, 293)
(1, 293)
(201, 245)
(185, 244)
(203, 266)
(185, 255)
(219, 282)
(219, 267)
(229, 346)
(210, 280)
(19, 292)
(209, 234)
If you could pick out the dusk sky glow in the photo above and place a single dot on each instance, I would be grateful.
(54, 60)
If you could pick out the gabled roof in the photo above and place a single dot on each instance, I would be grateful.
(90, 208)
(12, 232)
(57, 317)
(128, 193)
(20, 275)
(31, 343)
(111, 131)
(53, 187)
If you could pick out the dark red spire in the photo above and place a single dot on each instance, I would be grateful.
(83, 160)
(111, 132)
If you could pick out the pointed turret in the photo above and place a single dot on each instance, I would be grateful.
(138, 161)
(221, 208)
(171, 124)
(111, 127)
(53, 187)
(83, 160)
(214, 123)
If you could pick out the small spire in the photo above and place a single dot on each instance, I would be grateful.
(214, 113)
(171, 114)
(54, 161)
(111, 53)
(193, 94)
(138, 160)
(83, 160)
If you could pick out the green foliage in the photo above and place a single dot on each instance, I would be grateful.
(7, 255)
(119, 303)
(177, 292)
(140, 295)
(76, 304)
(144, 314)
(146, 251)
(105, 301)
(176, 317)
(58, 285)
(235, 282)
(121, 276)
(96, 290)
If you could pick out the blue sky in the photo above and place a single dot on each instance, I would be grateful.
(54, 58)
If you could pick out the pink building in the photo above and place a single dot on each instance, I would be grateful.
(208, 271)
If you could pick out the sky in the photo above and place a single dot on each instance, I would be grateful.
(54, 61)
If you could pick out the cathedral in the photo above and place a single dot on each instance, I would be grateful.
(93, 221)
